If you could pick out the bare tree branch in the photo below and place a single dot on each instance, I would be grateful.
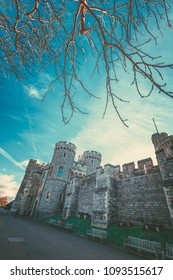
(50, 34)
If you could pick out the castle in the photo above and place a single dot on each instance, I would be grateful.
(106, 194)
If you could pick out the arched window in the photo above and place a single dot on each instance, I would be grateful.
(60, 171)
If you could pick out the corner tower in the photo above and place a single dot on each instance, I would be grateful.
(164, 153)
(92, 160)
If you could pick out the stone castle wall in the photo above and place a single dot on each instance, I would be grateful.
(85, 197)
(79, 196)
(142, 199)
(51, 200)
(142, 194)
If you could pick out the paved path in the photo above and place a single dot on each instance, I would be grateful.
(24, 239)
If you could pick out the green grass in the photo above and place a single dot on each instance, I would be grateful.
(80, 226)
(117, 234)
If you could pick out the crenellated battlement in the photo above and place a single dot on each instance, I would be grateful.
(92, 154)
(128, 169)
(144, 166)
(64, 145)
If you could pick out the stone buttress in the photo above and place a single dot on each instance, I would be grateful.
(104, 201)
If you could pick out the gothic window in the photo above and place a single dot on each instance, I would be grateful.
(60, 171)
(64, 154)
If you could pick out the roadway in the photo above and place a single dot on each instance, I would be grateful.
(25, 239)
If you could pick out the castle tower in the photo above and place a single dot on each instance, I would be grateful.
(62, 160)
(158, 140)
(52, 198)
(92, 160)
(164, 153)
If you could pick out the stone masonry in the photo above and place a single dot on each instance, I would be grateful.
(109, 194)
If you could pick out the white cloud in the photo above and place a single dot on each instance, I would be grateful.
(19, 143)
(16, 118)
(24, 163)
(40, 87)
(10, 158)
(8, 186)
(33, 91)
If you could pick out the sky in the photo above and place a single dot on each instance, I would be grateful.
(29, 129)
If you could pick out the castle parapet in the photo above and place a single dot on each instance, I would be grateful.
(109, 170)
(145, 165)
(128, 169)
(64, 145)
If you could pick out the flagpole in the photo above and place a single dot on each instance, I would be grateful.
(155, 125)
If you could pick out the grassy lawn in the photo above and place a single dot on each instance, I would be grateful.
(117, 234)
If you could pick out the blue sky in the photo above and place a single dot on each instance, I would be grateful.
(30, 128)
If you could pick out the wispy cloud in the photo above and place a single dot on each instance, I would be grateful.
(10, 158)
(24, 163)
(39, 88)
(16, 118)
(33, 91)
(8, 186)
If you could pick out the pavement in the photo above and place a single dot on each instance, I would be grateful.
(24, 239)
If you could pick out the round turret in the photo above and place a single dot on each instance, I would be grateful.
(92, 160)
(62, 161)
(163, 142)
(158, 139)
